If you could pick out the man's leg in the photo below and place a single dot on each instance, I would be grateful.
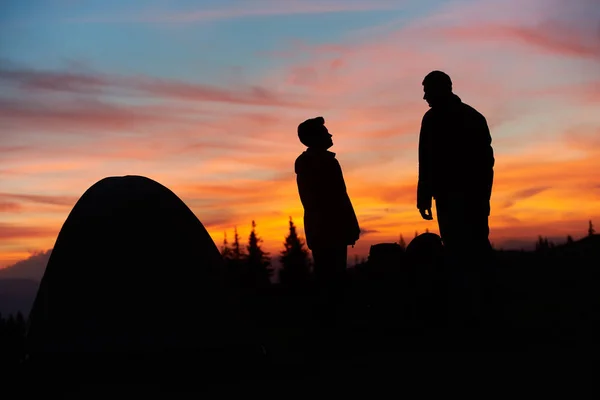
(330, 271)
(323, 260)
(477, 255)
(460, 246)
(341, 265)
(339, 281)
(483, 268)
(455, 279)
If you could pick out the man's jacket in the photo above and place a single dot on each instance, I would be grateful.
(329, 218)
(455, 154)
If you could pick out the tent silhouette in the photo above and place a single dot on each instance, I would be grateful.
(129, 257)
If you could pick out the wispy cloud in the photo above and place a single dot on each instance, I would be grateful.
(42, 199)
(550, 37)
(257, 8)
(11, 232)
(88, 83)
(524, 194)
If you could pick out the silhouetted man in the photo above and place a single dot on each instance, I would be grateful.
(456, 163)
(330, 223)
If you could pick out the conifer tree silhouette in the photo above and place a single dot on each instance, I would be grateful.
(225, 249)
(234, 257)
(294, 259)
(258, 262)
(237, 252)
(402, 242)
(591, 230)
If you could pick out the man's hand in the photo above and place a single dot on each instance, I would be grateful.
(426, 213)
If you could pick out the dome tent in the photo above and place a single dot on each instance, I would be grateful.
(133, 270)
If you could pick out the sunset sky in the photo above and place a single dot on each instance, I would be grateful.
(205, 97)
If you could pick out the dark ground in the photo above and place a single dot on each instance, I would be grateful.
(389, 326)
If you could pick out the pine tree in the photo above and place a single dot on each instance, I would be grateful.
(258, 262)
(234, 263)
(543, 244)
(237, 253)
(20, 325)
(591, 230)
(402, 243)
(225, 249)
(294, 259)
(570, 239)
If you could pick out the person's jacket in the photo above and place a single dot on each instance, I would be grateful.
(455, 154)
(329, 218)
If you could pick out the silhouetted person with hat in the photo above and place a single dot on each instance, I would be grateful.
(330, 223)
(456, 163)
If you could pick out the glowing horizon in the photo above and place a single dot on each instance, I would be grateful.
(206, 101)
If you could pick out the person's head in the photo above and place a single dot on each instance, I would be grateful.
(437, 87)
(313, 133)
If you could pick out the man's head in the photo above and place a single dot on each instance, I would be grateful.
(313, 133)
(437, 87)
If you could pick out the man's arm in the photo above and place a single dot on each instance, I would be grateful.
(489, 158)
(348, 214)
(484, 153)
(424, 193)
(306, 191)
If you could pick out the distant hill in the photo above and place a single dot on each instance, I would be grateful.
(31, 268)
(17, 295)
(586, 245)
(19, 283)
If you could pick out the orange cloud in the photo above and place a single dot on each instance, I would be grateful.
(34, 198)
(10, 232)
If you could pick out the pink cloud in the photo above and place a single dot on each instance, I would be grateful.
(79, 114)
(551, 37)
(87, 83)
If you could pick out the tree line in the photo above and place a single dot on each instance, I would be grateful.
(250, 265)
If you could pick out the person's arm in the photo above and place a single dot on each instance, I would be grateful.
(349, 216)
(308, 185)
(424, 193)
(482, 165)
(489, 161)
(306, 191)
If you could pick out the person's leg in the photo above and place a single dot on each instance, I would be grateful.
(337, 286)
(341, 264)
(481, 260)
(451, 216)
(477, 256)
(324, 265)
(318, 264)
(455, 224)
